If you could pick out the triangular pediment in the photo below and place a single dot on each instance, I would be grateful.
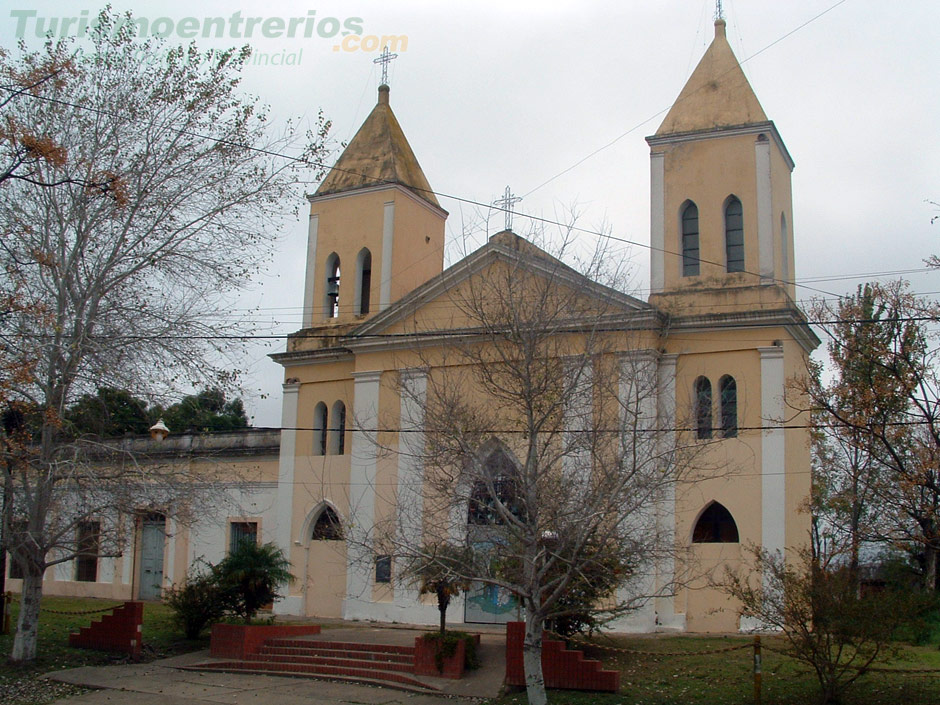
(435, 306)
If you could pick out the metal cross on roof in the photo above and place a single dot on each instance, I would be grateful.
(507, 205)
(385, 58)
(719, 10)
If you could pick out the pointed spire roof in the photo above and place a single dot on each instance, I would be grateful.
(378, 154)
(716, 95)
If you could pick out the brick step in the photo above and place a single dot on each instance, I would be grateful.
(341, 646)
(337, 662)
(369, 676)
(371, 657)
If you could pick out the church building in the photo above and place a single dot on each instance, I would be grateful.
(720, 328)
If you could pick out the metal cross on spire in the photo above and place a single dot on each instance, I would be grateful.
(507, 204)
(385, 58)
(719, 10)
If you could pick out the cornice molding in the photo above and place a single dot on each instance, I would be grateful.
(718, 132)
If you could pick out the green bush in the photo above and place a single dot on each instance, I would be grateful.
(445, 646)
(197, 603)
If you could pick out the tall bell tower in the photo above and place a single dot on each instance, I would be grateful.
(376, 229)
(721, 211)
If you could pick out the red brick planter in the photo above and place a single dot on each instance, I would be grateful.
(240, 640)
(561, 667)
(426, 659)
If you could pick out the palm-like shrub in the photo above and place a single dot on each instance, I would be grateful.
(438, 571)
(249, 577)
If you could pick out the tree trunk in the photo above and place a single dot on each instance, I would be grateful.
(443, 601)
(930, 567)
(532, 659)
(27, 625)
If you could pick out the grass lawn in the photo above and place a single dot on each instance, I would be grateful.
(22, 685)
(727, 678)
(654, 678)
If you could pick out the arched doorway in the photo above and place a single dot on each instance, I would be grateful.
(325, 587)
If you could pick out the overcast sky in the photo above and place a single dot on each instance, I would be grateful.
(496, 93)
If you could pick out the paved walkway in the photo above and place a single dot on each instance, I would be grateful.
(164, 683)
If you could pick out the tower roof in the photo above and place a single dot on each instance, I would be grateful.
(716, 95)
(378, 154)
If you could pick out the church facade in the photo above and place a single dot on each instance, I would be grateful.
(720, 334)
(720, 327)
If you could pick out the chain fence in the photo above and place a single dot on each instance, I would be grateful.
(8, 598)
(912, 692)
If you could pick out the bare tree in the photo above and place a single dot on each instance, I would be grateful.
(826, 624)
(544, 452)
(128, 284)
(848, 484)
(883, 404)
(23, 149)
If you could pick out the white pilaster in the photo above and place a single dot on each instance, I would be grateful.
(310, 306)
(283, 514)
(773, 450)
(765, 215)
(639, 412)
(410, 476)
(657, 222)
(578, 418)
(388, 241)
(169, 565)
(362, 468)
(127, 555)
(666, 577)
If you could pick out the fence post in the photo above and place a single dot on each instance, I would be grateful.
(7, 598)
(757, 671)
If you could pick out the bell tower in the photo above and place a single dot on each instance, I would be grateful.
(721, 210)
(376, 229)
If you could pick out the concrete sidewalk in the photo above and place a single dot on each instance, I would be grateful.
(163, 683)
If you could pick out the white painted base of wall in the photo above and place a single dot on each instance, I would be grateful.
(391, 612)
(673, 623)
(293, 605)
(751, 625)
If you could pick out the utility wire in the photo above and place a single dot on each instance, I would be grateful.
(469, 201)
(456, 333)
(666, 109)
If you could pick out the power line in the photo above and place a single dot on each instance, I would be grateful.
(654, 116)
(604, 431)
(479, 204)
(456, 333)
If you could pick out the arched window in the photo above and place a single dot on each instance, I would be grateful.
(716, 525)
(690, 256)
(499, 471)
(338, 429)
(331, 301)
(319, 429)
(327, 527)
(784, 249)
(728, 393)
(363, 281)
(734, 235)
(703, 408)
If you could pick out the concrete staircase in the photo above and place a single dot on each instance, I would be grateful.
(374, 664)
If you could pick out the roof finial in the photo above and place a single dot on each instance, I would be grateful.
(719, 20)
(507, 204)
(385, 58)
